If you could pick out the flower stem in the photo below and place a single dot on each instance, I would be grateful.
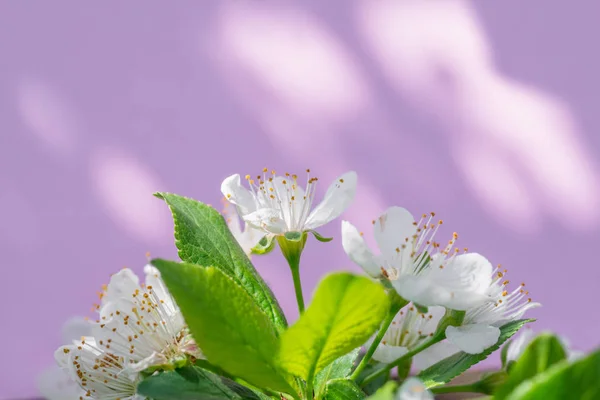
(292, 250)
(382, 330)
(456, 389)
(298, 287)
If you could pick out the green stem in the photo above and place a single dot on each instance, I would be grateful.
(309, 388)
(298, 287)
(371, 350)
(291, 247)
(399, 360)
(469, 388)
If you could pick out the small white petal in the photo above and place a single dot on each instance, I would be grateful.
(75, 328)
(461, 283)
(54, 384)
(62, 356)
(434, 354)
(236, 194)
(421, 290)
(413, 389)
(475, 270)
(247, 237)
(267, 219)
(392, 228)
(154, 280)
(121, 284)
(474, 338)
(338, 197)
(574, 355)
(356, 248)
(153, 359)
(386, 353)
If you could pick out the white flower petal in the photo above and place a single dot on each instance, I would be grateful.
(236, 194)
(386, 353)
(421, 290)
(121, 284)
(461, 283)
(474, 338)
(475, 270)
(154, 281)
(434, 354)
(62, 356)
(247, 237)
(338, 197)
(75, 328)
(153, 359)
(392, 229)
(356, 248)
(267, 219)
(54, 383)
(413, 389)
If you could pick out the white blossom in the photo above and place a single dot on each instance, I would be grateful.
(54, 383)
(139, 326)
(421, 270)
(279, 204)
(413, 389)
(408, 330)
(481, 326)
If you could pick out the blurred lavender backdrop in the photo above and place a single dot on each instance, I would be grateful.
(482, 111)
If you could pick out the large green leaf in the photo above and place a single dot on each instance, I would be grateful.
(228, 326)
(202, 237)
(339, 368)
(449, 368)
(345, 311)
(578, 380)
(543, 352)
(189, 383)
(342, 389)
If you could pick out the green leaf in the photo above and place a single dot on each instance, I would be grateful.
(339, 368)
(321, 238)
(376, 383)
(543, 352)
(233, 333)
(293, 236)
(343, 389)
(202, 237)
(578, 380)
(449, 368)
(188, 383)
(345, 311)
(386, 392)
(264, 245)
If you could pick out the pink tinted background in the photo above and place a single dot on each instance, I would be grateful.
(485, 112)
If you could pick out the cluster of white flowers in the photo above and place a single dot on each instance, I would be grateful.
(139, 326)
(431, 274)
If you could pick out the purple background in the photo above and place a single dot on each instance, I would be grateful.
(485, 112)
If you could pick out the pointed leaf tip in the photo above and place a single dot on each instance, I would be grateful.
(320, 237)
